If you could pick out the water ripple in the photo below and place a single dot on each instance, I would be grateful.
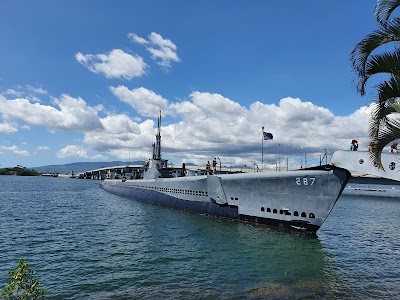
(86, 243)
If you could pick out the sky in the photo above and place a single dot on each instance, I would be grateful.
(86, 80)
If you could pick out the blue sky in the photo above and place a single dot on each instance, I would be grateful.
(84, 80)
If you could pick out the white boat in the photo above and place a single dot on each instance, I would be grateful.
(367, 179)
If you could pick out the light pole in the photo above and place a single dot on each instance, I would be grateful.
(279, 157)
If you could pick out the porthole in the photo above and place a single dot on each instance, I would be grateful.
(281, 212)
(275, 211)
(303, 214)
(392, 166)
(262, 209)
(296, 214)
(288, 213)
(361, 161)
(312, 216)
(268, 210)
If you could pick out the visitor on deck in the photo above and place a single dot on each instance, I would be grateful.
(393, 148)
(353, 145)
(215, 165)
(208, 168)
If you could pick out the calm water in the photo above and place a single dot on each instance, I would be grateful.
(87, 244)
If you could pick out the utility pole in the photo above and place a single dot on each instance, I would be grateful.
(262, 150)
(305, 160)
(279, 157)
(219, 163)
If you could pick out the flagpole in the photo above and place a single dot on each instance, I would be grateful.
(262, 150)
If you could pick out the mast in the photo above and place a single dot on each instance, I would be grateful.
(157, 144)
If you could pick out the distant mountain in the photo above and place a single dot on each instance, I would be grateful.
(80, 167)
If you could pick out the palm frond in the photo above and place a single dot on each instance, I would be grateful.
(384, 9)
(384, 125)
(386, 134)
(360, 54)
(380, 116)
(388, 62)
(388, 90)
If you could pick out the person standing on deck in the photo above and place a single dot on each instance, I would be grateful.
(215, 165)
(393, 148)
(208, 168)
(353, 145)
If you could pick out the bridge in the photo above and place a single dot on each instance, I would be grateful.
(115, 172)
(136, 172)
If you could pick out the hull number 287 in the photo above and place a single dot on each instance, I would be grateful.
(305, 180)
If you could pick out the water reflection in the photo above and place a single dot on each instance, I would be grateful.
(86, 243)
(223, 256)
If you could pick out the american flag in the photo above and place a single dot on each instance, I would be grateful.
(268, 136)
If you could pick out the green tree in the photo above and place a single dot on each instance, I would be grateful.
(368, 58)
(22, 284)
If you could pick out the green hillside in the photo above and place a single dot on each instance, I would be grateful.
(18, 171)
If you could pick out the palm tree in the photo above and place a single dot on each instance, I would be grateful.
(367, 60)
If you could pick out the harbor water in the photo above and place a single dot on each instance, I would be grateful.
(85, 243)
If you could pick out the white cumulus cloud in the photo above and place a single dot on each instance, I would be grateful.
(7, 128)
(27, 92)
(14, 149)
(72, 151)
(132, 143)
(42, 148)
(119, 124)
(37, 90)
(115, 64)
(72, 114)
(162, 50)
(78, 152)
(145, 101)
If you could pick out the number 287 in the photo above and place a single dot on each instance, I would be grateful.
(305, 180)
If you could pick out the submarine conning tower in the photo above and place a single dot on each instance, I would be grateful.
(156, 163)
